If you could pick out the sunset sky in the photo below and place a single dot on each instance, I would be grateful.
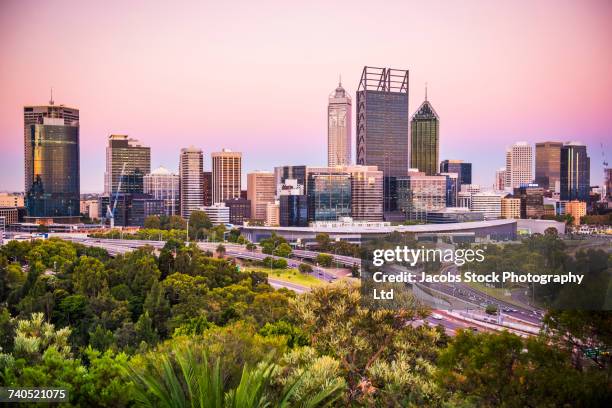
(254, 76)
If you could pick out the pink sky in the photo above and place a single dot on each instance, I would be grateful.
(254, 76)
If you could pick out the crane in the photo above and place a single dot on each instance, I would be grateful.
(110, 211)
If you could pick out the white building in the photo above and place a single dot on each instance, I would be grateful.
(519, 165)
(273, 214)
(487, 203)
(339, 128)
(191, 179)
(218, 213)
(164, 185)
(226, 175)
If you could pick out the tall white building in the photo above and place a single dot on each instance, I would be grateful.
(226, 175)
(164, 185)
(191, 177)
(519, 165)
(339, 128)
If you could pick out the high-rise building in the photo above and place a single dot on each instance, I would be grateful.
(452, 188)
(207, 187)
(293, 205)
(366, 193)
(132, 208)
(273, 214)
(419, 194)
(500, 179)
(122, 150)
(382, 127)
(511, 207)
(163, 185)
(425, 139)
(576, 209)
(519, 165)
(261, 190)
(191, 180)
(608, 181)
(226, 174)
(339, 128)
(575, 177)
(329, 195)
(532, 200)
(488, 203)
(463, 170)
(283, 173)
(52, 172)
(548, 165)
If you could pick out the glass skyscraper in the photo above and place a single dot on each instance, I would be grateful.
(425, 139)
(548, 164)
(382, 126)
(329, 196)
(122, 150)
(575, 177)
(463, 170)
(52, 175)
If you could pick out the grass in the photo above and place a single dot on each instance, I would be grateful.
(288, 275)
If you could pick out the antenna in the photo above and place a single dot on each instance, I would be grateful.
(425, 90)
(340, 80)
(51, 102)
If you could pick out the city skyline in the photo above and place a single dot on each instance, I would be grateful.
(479, 100)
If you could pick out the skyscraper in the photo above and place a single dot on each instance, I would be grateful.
(51, 150)
(548, 165)
(366, 193)
(463, 170)
(575, 177)
(137, 159)
(329, 195)
(163, 185)
(382, 126)
(226, 174)
(191, 176)
(261, 190)
(339, 128)
(500, 179)
(283, 173)
(532, 200)
(519, 165)
(207, 188)
(419, 194)
(425, 139)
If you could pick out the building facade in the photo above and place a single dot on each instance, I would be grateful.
(419, 194)
(425, 139)
(207, 187)
(329, 195)
(191, 181)
(10, 214)
(452, 188)
(164, 185)
(548, 165)
(577, 209)
(52, 162)
(239, 210)
(519, 165)
(575, 177)
(532, 200)
(226, 175)
(339, 146)
(511, 207)
(463, 170)
(366, 193)
(123, 151)
(261, 190)
(11, 200)
(500, 179)
(382, 127)
(487, 203)
(218, 213)
(132, 208)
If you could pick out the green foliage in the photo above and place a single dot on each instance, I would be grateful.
(305, 268)
(324, 260)
(283, 250)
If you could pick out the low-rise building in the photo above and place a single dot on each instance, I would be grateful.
(511, 207)
(239, 210)
(488, 203)
(273, 214)
(576, 209)
(450, 215)
(11, 200)
(218, 213)
(10, 214)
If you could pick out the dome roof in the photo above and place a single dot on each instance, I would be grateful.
(161, 171)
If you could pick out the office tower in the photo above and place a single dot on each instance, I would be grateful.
(425, 139)
(272, 214)
(608, 181)
(487, 203)
(366, 193)
(510, 207)
(532, 200)
(261, 190)
(463, 170)
(132, 208)
(282, 173)
(218, 213)
(419, 194)
(121, 151)
(519, 165)
(226, 174)
(464, 199)
(575, 177)
(452, 188)
(239, 210)
(51, 157)
(500, 179)
(382, 127)
(191, 180)
(207, 187)
(293, 205)
(329, 195)
(163, 185)
(548, 165)
(339, 128)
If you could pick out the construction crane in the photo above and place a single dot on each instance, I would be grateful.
(112, 206)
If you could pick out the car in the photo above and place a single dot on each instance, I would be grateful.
(436, 316)
(473, 328)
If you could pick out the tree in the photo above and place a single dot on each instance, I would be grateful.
(283, 250)
(305, 268)
(324, 260)
(323, 241)
(152, 222)
(198, 224)
(89, 276)
(491, 309)
(221, 250)
(250, 246)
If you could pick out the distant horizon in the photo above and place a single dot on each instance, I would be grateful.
(256, 78)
